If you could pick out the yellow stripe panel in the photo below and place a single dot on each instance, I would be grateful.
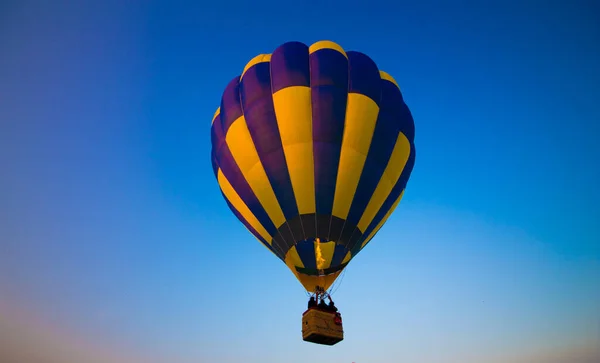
(293, 109)
(293, 258)
(347, 258)
(361, 116)
(311, 282)
(237, 202)
(246, 157)
(388, 77)
(383, 220)
(326, 44)
(254, 61)
(327, 250)
(389, 178)
(290, 264)
(215, 115)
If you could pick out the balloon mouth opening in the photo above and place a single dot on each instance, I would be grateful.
(320, 272)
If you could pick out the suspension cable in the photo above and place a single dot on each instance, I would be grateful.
(337, 284)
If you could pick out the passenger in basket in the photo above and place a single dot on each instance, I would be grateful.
(331, 307)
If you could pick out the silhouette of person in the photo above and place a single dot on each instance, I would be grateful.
(331, 306)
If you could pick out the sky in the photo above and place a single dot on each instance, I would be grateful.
(116, 245)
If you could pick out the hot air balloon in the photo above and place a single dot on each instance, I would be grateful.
(312, 148)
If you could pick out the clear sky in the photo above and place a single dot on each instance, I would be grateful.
(116, 243)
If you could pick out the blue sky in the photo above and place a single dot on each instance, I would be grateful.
(113, 233)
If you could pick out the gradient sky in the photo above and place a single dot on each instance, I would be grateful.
(115, 241)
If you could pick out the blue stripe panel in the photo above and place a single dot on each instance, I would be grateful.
(306, 251)
(394, 194)
(364, 76)
(393, 102)
(279, 254)
(217, 136)
(214, 163)
(257, 103)
(231, 108)
(289, 66)
(216, 133)
(355, 250)
(230, 111)
(329, 87)
(339, 253)
(235, 177)
(384, 138)
(356, 236)
(216, 139)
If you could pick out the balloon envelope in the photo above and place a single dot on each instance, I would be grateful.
(312, 148)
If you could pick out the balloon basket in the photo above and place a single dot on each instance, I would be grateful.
(322, 327)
